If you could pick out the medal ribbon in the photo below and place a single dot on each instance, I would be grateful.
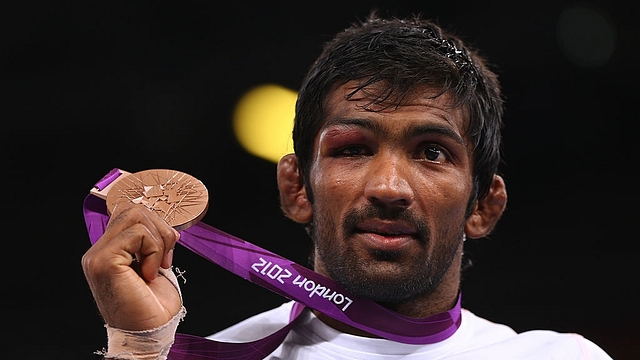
(288, 279)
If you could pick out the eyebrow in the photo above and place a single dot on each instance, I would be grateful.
(413, 131)
(358, 122)
(431, 129)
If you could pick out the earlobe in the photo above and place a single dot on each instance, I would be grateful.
(487, 211)
(293, 195)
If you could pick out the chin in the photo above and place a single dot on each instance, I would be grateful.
(387, 282)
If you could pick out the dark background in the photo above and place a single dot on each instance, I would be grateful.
(89, 86)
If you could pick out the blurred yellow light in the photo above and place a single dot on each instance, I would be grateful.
(263, 121)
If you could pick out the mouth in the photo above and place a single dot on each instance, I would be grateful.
(389, 236)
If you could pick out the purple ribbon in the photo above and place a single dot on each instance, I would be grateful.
(288, 279)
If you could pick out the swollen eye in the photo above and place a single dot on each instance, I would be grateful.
(352, 151)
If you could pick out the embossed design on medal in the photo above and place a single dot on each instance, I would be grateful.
(179, 198)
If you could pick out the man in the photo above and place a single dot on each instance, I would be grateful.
(397, 148)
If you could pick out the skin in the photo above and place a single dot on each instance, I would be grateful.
(391, 189)
(129, 294)
(403, 180)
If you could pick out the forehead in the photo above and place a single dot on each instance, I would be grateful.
(422, 105)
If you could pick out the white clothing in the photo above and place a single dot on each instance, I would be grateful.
(476, 339)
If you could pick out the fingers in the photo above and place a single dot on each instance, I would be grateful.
(131, 295)
(134, 231)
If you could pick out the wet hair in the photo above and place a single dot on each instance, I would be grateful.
(399, 57)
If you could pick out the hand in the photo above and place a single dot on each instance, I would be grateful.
(121, 269)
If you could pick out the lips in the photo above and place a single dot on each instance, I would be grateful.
(386, 235)
(383, 227)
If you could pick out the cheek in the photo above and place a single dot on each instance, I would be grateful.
(445, 200)
(329, 193)
(334, 183)
(335, 193)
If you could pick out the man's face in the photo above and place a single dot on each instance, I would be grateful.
(390, 192)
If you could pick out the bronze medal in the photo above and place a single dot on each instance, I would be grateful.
(179, 198)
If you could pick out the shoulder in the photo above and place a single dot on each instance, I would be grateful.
(495, 339)
(561, 345)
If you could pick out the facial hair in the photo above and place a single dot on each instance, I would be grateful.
(381, 276)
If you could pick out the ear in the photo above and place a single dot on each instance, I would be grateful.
(487, 211)
(293, 195)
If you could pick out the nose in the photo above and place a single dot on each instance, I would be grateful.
(387, 181)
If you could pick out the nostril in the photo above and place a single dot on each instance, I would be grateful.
(389, 199)
(389, 188)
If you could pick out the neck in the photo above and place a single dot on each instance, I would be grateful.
(442, 298)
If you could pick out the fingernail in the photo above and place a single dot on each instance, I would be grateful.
(168, 259)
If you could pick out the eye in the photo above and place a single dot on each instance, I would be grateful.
(352, 150)
(434, 154)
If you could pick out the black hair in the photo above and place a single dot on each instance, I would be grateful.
(402, 55)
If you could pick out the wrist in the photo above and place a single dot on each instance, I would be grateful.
(151, 344)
